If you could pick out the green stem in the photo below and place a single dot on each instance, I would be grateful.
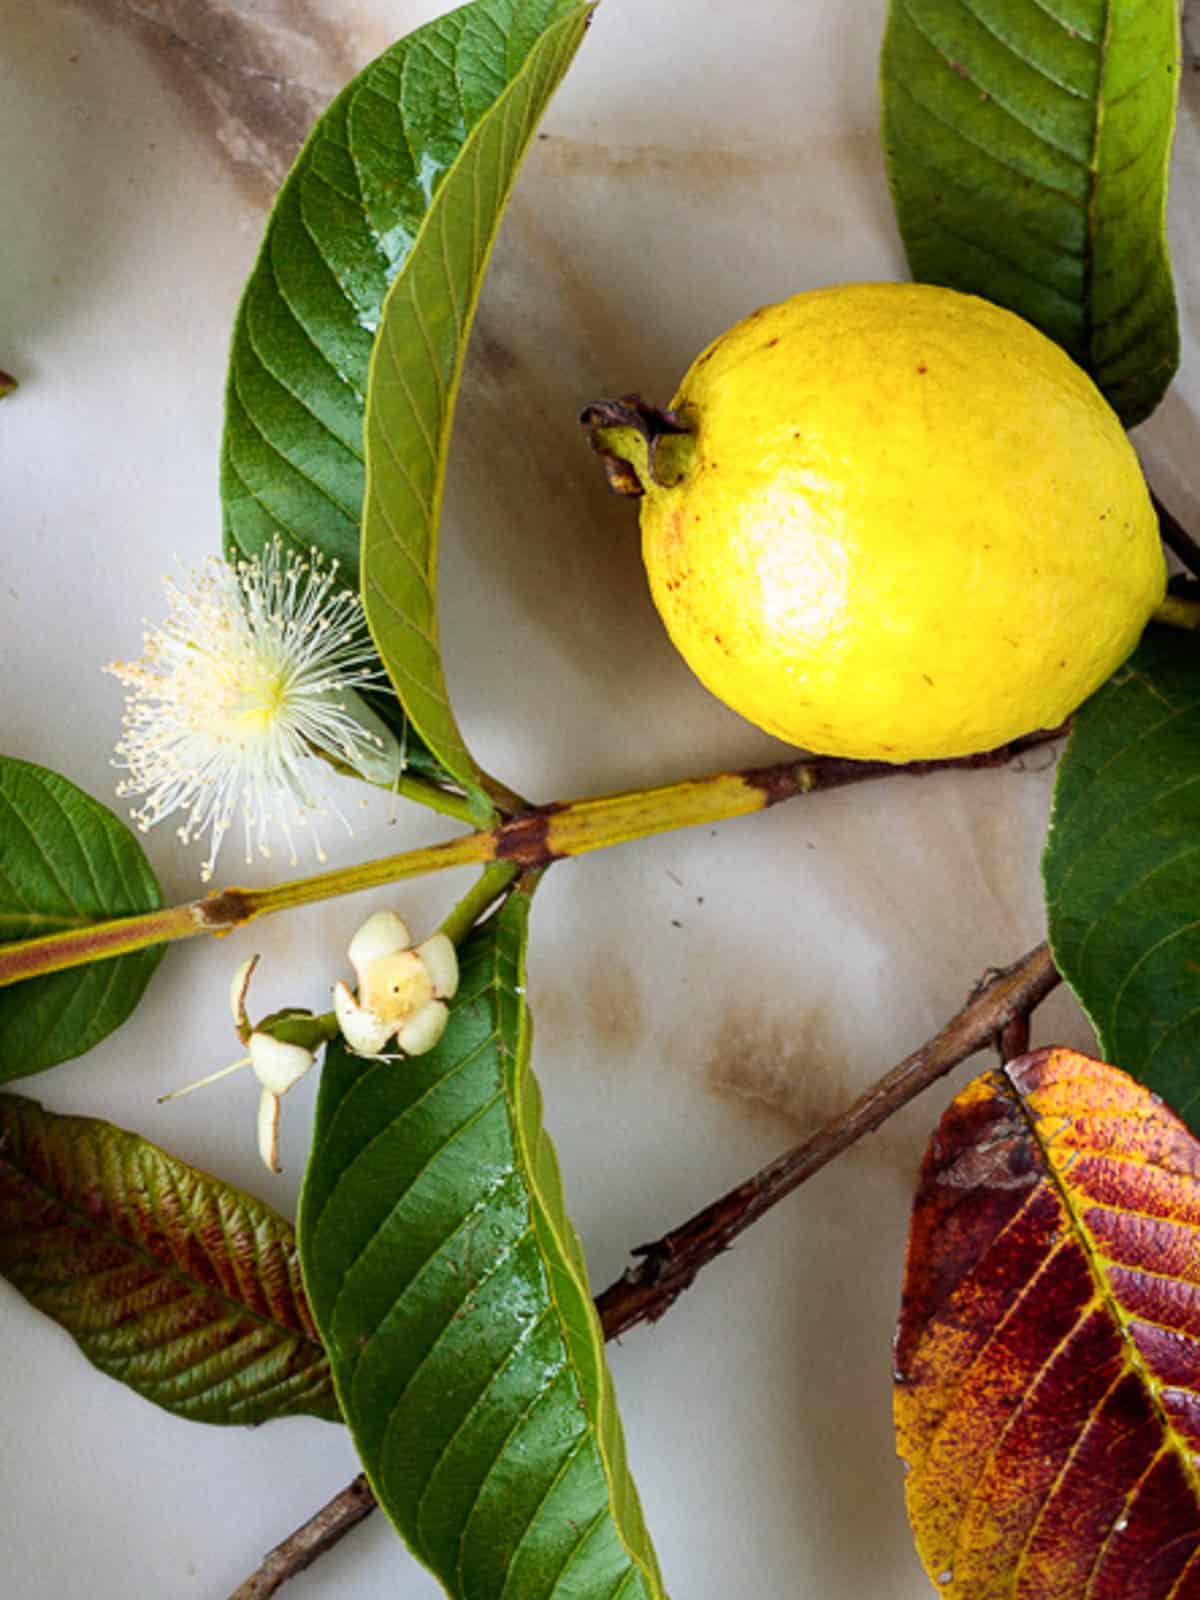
(529, 842)
(491, 884)
(247, 904)
(436, 798)
(1176, 612)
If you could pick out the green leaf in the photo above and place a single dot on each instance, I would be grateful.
(451, 1293)
(65, 862)
(1122, 867)
(1027, 146)
(345, 224)
(474, 83)
(181, 1287)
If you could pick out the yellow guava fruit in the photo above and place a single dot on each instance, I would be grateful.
(891, 521)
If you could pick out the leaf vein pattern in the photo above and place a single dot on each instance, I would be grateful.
(535, 1511)
(118, 1206)
(1000, 104)
(1126, 1506)
(535, 1400)
(497, 1372)
(1022, 1404)
(373, 1237)
(576, 1551)
(994, 1333)
(283, 378)
(386, 1131)
(1020, 174)
(318, 488)
(1014, 50)
(1188, 1567)
(1055, 1489)
(1071, 29)
(469, 1291)
(306, 332)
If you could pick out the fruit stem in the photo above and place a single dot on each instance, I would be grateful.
(644, 448)
(1177, 612)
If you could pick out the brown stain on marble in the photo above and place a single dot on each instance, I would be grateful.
(614, 1006)
(790, 1074)
(492, 360)
(253, 76)
(786, 1071)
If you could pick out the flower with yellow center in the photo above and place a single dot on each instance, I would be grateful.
(402, 990)
(254, 671)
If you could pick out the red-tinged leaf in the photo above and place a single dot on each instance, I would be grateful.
(182, 1287)
(1048, 1354)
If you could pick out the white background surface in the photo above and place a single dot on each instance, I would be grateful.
(702, 1000)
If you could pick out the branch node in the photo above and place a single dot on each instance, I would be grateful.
(218, 913)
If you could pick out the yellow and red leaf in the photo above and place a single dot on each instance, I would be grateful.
(1048, 1355)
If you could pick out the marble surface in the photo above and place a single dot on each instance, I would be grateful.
(703, 999)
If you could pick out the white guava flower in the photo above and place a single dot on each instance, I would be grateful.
(402, 989)
(255, 668)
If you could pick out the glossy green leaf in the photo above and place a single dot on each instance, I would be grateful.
(1027, 146)
(178, 1285)
(1122, 867)
(471, 86)
(452, 1296)
(65, 862)
(346, 222)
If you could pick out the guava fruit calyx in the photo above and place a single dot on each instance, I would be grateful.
(643, 446)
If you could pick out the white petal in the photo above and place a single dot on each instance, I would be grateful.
(422, 1032)
(278, 1065)
(441, 963)
(363, 1031)
(237, 997)
(268, 1130)
(380, 935)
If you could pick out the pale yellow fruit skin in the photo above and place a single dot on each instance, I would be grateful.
(912, 528)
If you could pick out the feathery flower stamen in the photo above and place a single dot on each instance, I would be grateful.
(255, 668)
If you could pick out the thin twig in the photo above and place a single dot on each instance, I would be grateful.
(320, 1533)
(670, 1265)
(1176, 538)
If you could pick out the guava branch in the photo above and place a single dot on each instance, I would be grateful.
(320, 1533)
(670, 1265)
(998, 1010)
(535, 838)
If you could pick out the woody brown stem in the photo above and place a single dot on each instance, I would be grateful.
(320, 1533)
(1176, 538)
(670, 1265)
